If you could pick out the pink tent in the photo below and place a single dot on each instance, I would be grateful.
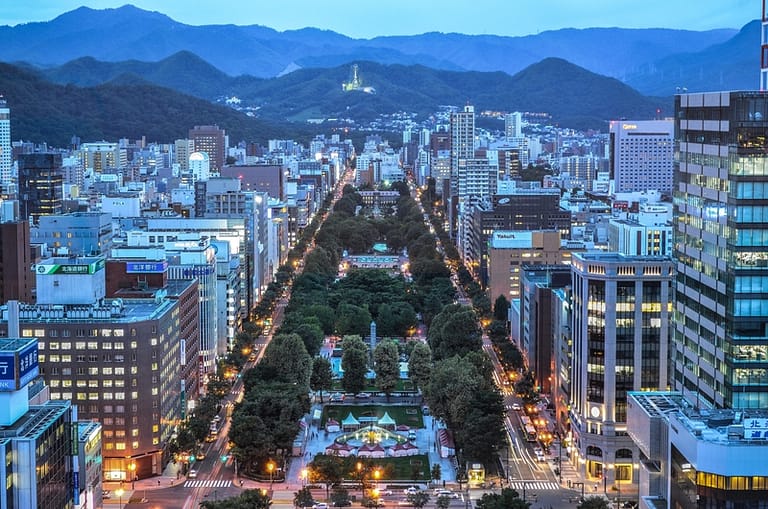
(337, 449)
(371, 451)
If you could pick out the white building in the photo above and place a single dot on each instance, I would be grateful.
(648, 232)
(5, 143)
(642, 155)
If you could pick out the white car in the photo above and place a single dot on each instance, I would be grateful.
(320, 505)
(411, 490)
(516, 407)
(192, 474)
(447, 493)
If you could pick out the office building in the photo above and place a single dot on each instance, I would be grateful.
(211, 140)
(40, 185)
(721, 233)
(693, 458)
(77, 233)
(508, 251)
(182, 150)
(6, 152)
(120, 361)
(764, 49)
(621, 320)
(648, 232)
(36, 440)
(17, 282)
(641, 156)
(517, 209)
(101, 156)
(538, 305)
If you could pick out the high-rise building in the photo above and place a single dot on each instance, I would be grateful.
(462, 140)
(5, 143)
(211, 140)
(40, 185)
(764, 49)
(101, 156)
(513, 125)
(621, 320)
(641, 155)
(182, 150)
(721, 233)
(120, 360)
(17, 282)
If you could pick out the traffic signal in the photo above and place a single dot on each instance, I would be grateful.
(191, 458)
(224, 458)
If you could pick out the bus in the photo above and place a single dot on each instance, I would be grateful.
(528, 429)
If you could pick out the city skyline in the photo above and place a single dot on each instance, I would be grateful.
(407, 18)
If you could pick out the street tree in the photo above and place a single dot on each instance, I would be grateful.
(251, 499)
(501, 308)
(386, 366)
(354, 363)
(322, 376)
(418, 499)
(420, 365)
(303, 498)
(593, 503)
(443, 502)
(507, 499)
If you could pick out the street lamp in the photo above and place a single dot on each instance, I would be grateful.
(119, 492)
(270, 468)
(132, 468)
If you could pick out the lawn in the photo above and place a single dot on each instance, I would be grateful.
(402, 414)
(407, 468)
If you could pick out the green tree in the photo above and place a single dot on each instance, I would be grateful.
(312, 336)
(497, 331)
(507, 499)
(352, 319)
(251, 499)
(593, 503)
(285, 360)
(340, 497)
(418, 499)
(482, 304)
(501, 308)
(437, 472)
(322, 376)
(303, 498)
(326, 469)
(454, 331)
(443, 502)
(354, 363)
(420, 365)
(386, 366)
(452, 388)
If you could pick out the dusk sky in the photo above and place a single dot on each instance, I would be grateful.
(369, 18)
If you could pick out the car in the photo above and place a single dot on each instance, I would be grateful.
(200, 456)
(192, 474)
(337, 397)
(210, 438)
(217, 418)
(411, 435)
(106, 494)
(446, 493)
(320, 505)
(363, 395)
(516, 407)
(342, 503)
(411, 490)
(385, 492)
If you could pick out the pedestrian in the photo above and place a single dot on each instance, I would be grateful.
(158, 482)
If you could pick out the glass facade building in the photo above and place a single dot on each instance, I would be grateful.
(720, 337)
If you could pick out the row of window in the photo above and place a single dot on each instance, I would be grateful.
(53, 333)
(95, 371)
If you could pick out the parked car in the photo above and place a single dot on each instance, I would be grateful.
(192, 474)
(447, 493)
(363, 395)
(320, 505)
(106, 494)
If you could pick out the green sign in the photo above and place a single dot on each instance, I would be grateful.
(80, 268)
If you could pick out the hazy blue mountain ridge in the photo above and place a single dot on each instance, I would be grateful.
(128, 33)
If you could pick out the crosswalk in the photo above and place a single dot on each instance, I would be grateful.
(209, 483)
(534, 485)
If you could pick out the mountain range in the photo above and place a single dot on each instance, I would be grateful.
(654, 61)
(111, 100)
